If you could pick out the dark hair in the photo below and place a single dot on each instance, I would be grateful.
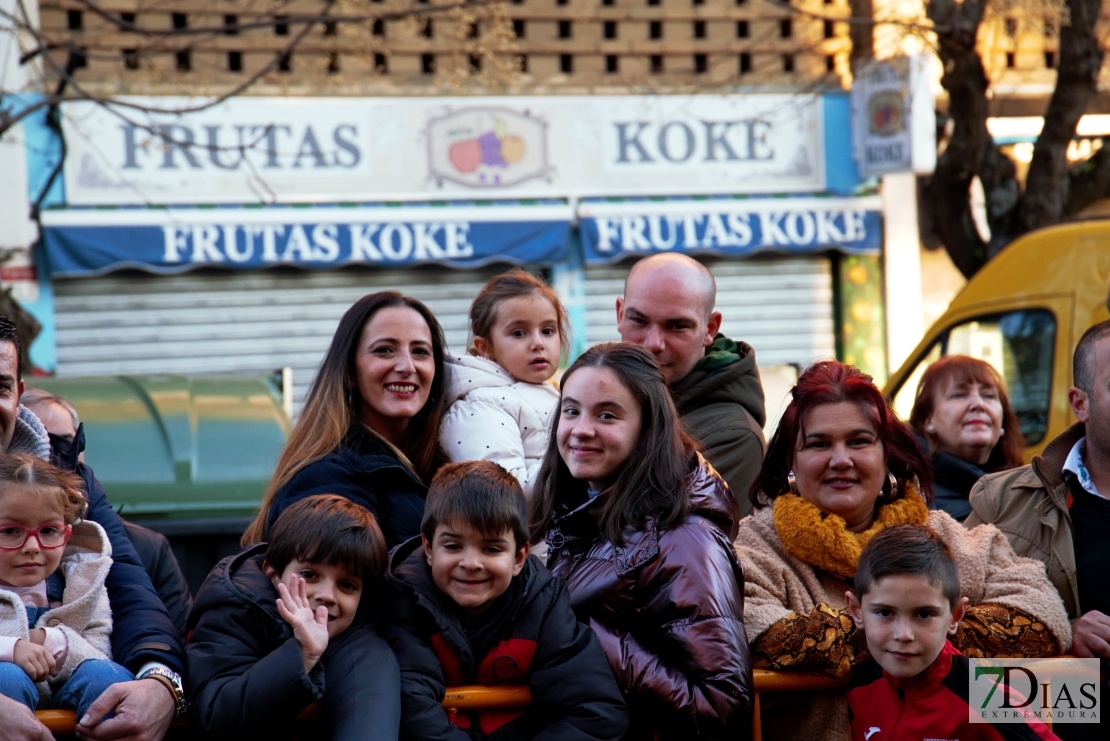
(10, 333)
(61, 490)
(480, 494)
(651, 481)
(513, 284)
(912, 550)
(328, 529)
(1082, 372)
(332, 404)
(962, 369)
(833, 382)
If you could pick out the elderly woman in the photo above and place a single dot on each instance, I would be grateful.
(841, 468)
(369, 430)
(962, 414)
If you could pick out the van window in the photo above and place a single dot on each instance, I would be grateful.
(1019, 344)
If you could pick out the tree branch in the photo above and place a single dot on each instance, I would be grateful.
(1046, 187)
(1088, 182)
(968, 147)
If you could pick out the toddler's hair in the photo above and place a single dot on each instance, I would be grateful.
(60, 490)
(912, 550)
(480, 494)
(328, 529)
(513, 284)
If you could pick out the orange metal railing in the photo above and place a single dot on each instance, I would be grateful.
(476, 697)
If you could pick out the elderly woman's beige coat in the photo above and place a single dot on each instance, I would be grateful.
(777, 584)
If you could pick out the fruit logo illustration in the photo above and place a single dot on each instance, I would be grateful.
(887, 113)
(496, 148)
(487, 147)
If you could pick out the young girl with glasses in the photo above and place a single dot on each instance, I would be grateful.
(55, 623)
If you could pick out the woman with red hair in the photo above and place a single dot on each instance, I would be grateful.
(841, 468)
(964, 419)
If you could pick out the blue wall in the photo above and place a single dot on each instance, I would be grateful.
(44, 151)
(841, 174)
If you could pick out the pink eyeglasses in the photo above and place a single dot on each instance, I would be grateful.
(51, 535)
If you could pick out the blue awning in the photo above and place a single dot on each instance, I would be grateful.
(730, 227)
(85, 242)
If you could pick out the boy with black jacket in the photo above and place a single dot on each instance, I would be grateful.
(473, 608)
(278, 627)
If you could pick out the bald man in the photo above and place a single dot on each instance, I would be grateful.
(668, 309)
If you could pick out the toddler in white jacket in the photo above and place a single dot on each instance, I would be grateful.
(55, 622)
(502, 400)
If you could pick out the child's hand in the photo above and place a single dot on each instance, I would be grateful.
(33, 659)
(310, 627)
(38, 635)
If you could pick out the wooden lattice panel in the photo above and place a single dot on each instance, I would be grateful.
(407, 47)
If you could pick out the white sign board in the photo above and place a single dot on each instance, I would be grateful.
(279, 150)
(893, 118)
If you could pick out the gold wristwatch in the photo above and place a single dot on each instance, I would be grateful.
(172, 681)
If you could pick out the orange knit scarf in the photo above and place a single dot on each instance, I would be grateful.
(824, 540)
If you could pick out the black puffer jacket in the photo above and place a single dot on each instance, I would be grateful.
(365, 470)
(165, 574)
(246, 673)
(531, 638)
(668, 608)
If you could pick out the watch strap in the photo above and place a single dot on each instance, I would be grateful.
(174, 690)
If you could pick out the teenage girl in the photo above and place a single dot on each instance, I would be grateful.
(640, 527)
(502, 400)
(55, 623)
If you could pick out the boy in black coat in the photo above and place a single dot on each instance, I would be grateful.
(473, 608)
(274, 629)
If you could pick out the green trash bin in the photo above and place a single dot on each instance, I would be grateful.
(188, 456)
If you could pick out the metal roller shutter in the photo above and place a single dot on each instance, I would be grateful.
(224, 322)
(781, 306)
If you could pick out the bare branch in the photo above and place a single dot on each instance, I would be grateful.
(1088, 182)
(968, 154)
(9, 119)
(1046, 189)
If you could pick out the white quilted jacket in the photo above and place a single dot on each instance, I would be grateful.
(495, 418)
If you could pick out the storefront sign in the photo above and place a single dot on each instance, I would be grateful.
(614, 231)
(893, 117)
(167, 241)
(288, 150)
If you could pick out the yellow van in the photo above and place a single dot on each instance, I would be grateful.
(1023, 313)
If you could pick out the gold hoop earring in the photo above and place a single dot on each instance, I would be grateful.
(792, 482)
(893, 481)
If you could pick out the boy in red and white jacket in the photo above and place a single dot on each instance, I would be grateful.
(907, 601)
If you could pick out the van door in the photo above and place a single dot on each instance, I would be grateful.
(1026, 339)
